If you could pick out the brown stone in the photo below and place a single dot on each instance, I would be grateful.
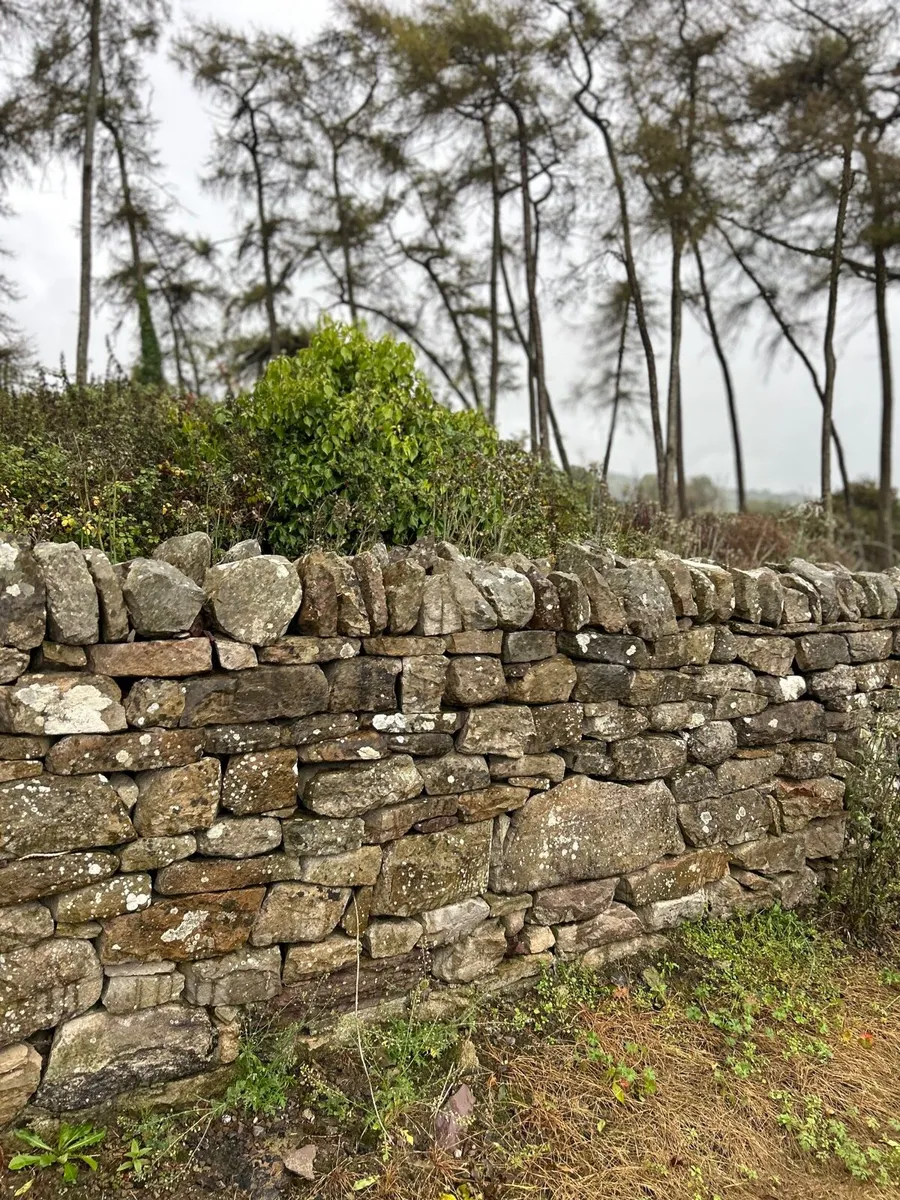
(497, 729)
(299, 912)
(647, 757)
(24, 925)
(363, 745)
(179, 930)
(20, 1074)
(261, 695)
(692, 648)
(31, 878)
(235, 656)
(733, 818)
(422, 683)
(404, 585)
(440, 613)
(51, 814)
(555, 725)
(548, 682)
(318, 614)
(597, 682)
(572, 609)
(388, 824)
(178, 799)
(616, 924)
(299, 650)
(19, 770)
(307, 731)
(454, 773)
(353, 790)
(672, 877)
(322, 958)
(474, 680)
(430, 870)
(225, 874)
(351, 868)
(802, 720)
(490, 802)
(476, 641)
(183, 656)
(572, 902)
(262, 781)
(157, 702)
(802, 802)
(121, 894)
(550, 766)
(371, 585)
(363, 685)
(608, 720)
(42, 985)
(148, 854)
(86, 753)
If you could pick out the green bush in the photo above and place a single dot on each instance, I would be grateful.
(356, 448)
(122, 467)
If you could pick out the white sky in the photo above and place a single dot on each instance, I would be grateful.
(779, 411)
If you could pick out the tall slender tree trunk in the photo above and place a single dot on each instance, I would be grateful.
(617, 390)
(731, 401)
(885, 480)
(673, 477)
(493, 285)
(265, 234)
(343, 233)
(834, 277)
(150, 366)
(87, 198)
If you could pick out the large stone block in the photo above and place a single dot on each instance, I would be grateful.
(264, 781)
(422, 683)
(651, 756)
(672, 878)
(32, 878)
(255, 599)
(178, 930)
(649, 612)
(738, 817)
(121, 894)
(352, 791)
(802, 720)
(59, 703)
(161, 600)
(100, 1055)
(572, 902)
(821, 651)
(73, 611)
(51, 814)
(497, 729)
(319, 959)
(178, 800)
(472, 957)
(584, 829)
(299, 912)
(190, 553)
(82, 754)
(164, 658)
(266, 694)
(44, 984)
(508, 592)
(23, 599)
(548, 682)
(616, 924)
(248, 976)
(363, 684)
(431, 870)
(404, 586)
(240, 837)
(802, 802)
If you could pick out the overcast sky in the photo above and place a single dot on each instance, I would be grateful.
(779, 411)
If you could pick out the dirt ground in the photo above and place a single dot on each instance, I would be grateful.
(756, 1059)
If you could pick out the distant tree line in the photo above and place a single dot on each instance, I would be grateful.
(463, 171)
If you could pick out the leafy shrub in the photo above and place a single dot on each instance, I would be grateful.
(356, 448)
(867, 892)
(122, 467)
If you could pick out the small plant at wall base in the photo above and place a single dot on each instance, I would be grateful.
(69, 1153)
(867, 892)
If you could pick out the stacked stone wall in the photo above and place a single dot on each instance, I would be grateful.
(316, 784)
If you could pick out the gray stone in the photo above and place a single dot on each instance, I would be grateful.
(678, 580)
(431, 870)
(718, 679)
(264, 781)
(404, 586)
(807, 760)
(73, 613)
(309, 962)
(354, 790)
(245, 549)
(148, 854)
(832, 685)
(583, 829)
(44, 984)
(599, 682)
(549, 681)
(190, 553)
(605, 648)
(454, 773)
(321, 835)
(473, 956)
(572, 902)
(725, 646)
(870, 646)
(235, 656)
(440, 612)
(800, 721)
(528, 645)
(83, 754)
(352, 616)
(154, 702)
(299, 912)
(239, 837)
(99, 1055)
(160, 599)
(128, 993)
(389, 938)
(23, 608)
(667, 914)
(12, 663)
(616, 924)
(247, 976)
(588, 758)
(255, 599)
(771, 855)
(351, 868)
(783, 689)
(651, 756)
(51, 814)
(266, 694)
(821, 651)
(441, 926)
(178, 800)
(555, 725)
(388, 824)
(672, 878)
(371, 585)
(713, 743)
(24, 925)
(608, 720)
(299, 649)
(748, 772)
(692, 647)
(771, 655)
(647, 602)
(508, 592)
(478, 679)
(572, 608)
(20, 1074)
(824, 838)
(797, 606)
(733, 818)
(59, 703)
(497, 729)
(113, 613)
(550, 766)
(363, 684)
(679, 715)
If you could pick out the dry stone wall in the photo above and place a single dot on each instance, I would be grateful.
(308, 783)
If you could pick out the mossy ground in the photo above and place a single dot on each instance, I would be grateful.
(757, 1059)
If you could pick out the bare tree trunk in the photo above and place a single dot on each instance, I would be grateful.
(265, 235)
(87, 198)
(493, 286)
(788, 334)
(885, 488)
(617, 391)
(673, 476)
(719, 349)
(342, 233)
(834, 276)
